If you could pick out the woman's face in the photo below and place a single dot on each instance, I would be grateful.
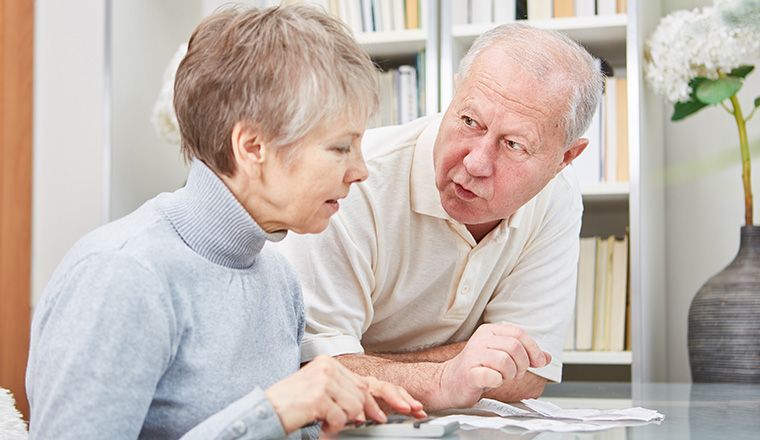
(302, 193)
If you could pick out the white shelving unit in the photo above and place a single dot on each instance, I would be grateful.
(406, 44)
(597, 357)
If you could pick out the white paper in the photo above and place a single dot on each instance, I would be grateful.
(545, 416)
(549, 409)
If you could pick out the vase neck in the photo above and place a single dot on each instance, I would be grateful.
(750, 240)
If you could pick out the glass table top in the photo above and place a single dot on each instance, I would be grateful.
(692, 411)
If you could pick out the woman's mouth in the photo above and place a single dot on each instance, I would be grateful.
(333, 203)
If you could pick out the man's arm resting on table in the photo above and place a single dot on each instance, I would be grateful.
(493, 362)
(531, 386)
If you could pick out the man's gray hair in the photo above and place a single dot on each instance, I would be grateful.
(553, 59)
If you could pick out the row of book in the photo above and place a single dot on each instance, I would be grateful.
(605, 159)
(602, 310)
(504, 11)
(377, 15)
(402, 97)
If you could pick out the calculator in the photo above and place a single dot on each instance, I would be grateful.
(399, 426)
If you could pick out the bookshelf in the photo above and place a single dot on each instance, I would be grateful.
(635, 207)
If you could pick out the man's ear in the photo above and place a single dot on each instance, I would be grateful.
(247, 148)
(572, 152)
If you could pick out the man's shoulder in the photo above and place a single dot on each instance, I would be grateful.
(381, 141)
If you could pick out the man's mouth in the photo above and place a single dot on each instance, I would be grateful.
(464, 193)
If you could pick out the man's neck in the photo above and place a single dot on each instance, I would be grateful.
(480, 230)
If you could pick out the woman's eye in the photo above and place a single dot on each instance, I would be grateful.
(342, 148)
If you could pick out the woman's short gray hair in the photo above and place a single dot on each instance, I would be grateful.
(553, 59)
(284, 70)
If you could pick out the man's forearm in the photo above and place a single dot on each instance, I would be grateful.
(420, 373)
(434, 354)
(420, 379)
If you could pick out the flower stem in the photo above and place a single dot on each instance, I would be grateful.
(744, 146)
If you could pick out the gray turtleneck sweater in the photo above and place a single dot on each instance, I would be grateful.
(172, 319)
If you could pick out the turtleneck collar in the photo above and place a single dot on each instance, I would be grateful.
(212, 222)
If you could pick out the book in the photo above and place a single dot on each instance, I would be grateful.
(618, 297)
(601, 292)
(588, 165)
(353, 15)
(399, 15)
(570, 336)
(585, 8)
(420, 62)
(621, 129)
(503, 11)
(407, 94)
(480, 11)
(386, 15)
(539, 9)
(563, 8)
(610, 130)
(412, 14)
(389, 105)
(584, 300)
(622, 6)
(521, 9)
(606, 7)
(365, 8)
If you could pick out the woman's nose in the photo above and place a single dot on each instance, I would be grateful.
(357, 170)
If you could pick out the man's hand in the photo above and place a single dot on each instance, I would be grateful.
(326, 391)
(495, 354)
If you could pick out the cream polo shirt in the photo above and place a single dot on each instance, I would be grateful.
(394, 273)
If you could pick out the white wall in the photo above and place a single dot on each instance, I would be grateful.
(68, 177)
(145, 34)
(704, 203)
(97, 157)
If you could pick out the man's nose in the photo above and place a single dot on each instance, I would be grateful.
(479, 160)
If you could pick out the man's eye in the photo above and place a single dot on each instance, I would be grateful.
(469, 121)
(512, 145)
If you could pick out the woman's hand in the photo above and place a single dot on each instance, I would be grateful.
(395, 398)
(326, 391)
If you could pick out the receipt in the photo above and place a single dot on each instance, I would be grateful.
(541, 415)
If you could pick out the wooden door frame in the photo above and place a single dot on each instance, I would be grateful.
(16, 122)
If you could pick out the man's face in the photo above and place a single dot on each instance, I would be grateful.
(499, 143)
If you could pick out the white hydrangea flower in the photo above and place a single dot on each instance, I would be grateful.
(696, 43)
(164, 118)
(740, 12)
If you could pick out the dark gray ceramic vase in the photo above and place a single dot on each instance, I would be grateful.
(724, 319)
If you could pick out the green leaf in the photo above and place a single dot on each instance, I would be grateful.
(694, 85)
(684, 109)
(742, 71)
(757, 101)
(715, 91)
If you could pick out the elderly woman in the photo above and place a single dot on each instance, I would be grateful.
(179, 319)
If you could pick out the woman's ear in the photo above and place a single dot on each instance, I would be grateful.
(247, 149)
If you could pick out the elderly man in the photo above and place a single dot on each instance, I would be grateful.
(451, 270)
